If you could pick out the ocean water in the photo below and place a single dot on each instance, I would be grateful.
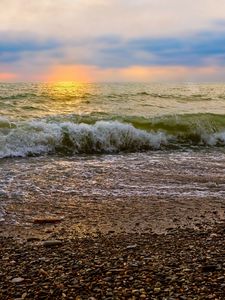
(69, 118)
(111, 140)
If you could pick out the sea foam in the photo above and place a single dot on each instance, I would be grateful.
(40, 137)
(37, 137)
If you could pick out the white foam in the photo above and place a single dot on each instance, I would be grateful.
(39, 137)
(214, 138)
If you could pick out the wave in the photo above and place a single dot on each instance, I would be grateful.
(39, 137)
(165, 96)
(128, 134)
(48, 95)
(18, 96)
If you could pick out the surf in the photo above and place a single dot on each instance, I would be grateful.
(94, 134)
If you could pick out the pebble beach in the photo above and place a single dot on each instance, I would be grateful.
(183, 264)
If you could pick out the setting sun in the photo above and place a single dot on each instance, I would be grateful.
(68, 74)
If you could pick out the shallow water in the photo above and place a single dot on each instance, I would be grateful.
(156, 190)
(196, 173)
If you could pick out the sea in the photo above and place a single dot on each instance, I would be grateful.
(111, 140)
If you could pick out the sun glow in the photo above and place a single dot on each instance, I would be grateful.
(67, 74)
(7, 76)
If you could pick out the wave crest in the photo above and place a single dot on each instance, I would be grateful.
(39, 137)
(88, 135)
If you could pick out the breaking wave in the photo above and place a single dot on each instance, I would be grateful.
(116, 134)
(39, 137)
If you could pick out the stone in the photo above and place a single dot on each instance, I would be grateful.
(33, 239)
(47, 220)
(157, 289)
(209, 268)
(131, 246)
(17, 280)
(52, 243)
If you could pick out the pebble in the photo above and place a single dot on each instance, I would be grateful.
(3, 193)
(209, 268)
(33, 239)
(47, 220)
(17, 280)
(131, 246)
(52, 243)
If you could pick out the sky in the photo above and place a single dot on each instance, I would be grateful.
(112, 40)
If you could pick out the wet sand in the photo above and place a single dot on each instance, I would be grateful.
(64, 216)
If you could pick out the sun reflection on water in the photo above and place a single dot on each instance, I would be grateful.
(65, 96)
(67, 90)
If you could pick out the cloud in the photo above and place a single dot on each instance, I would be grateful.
(66, 19)
(91, 73)
(36, 36)
(5, 76)
(14, 44)
(200, 48)
(192, 50)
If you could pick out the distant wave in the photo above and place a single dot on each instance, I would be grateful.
(18, 96)
(177, 97)
(123, 95)
(128, 134)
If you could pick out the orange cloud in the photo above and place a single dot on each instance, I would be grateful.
(7, 76)
(89, 73)
(156, 73)
(161, 73)
(78, 73)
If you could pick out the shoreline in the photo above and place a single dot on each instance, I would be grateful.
(67, 216)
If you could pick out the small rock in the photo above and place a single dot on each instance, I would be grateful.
(213, 235)
(43, 272)
(52, 243)
(33, 239)
(131, 246)
(116, 270)
(157, 289)
(47, 220)
(17, 280)
(209, 268)
(3, 193)
(135, 292)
